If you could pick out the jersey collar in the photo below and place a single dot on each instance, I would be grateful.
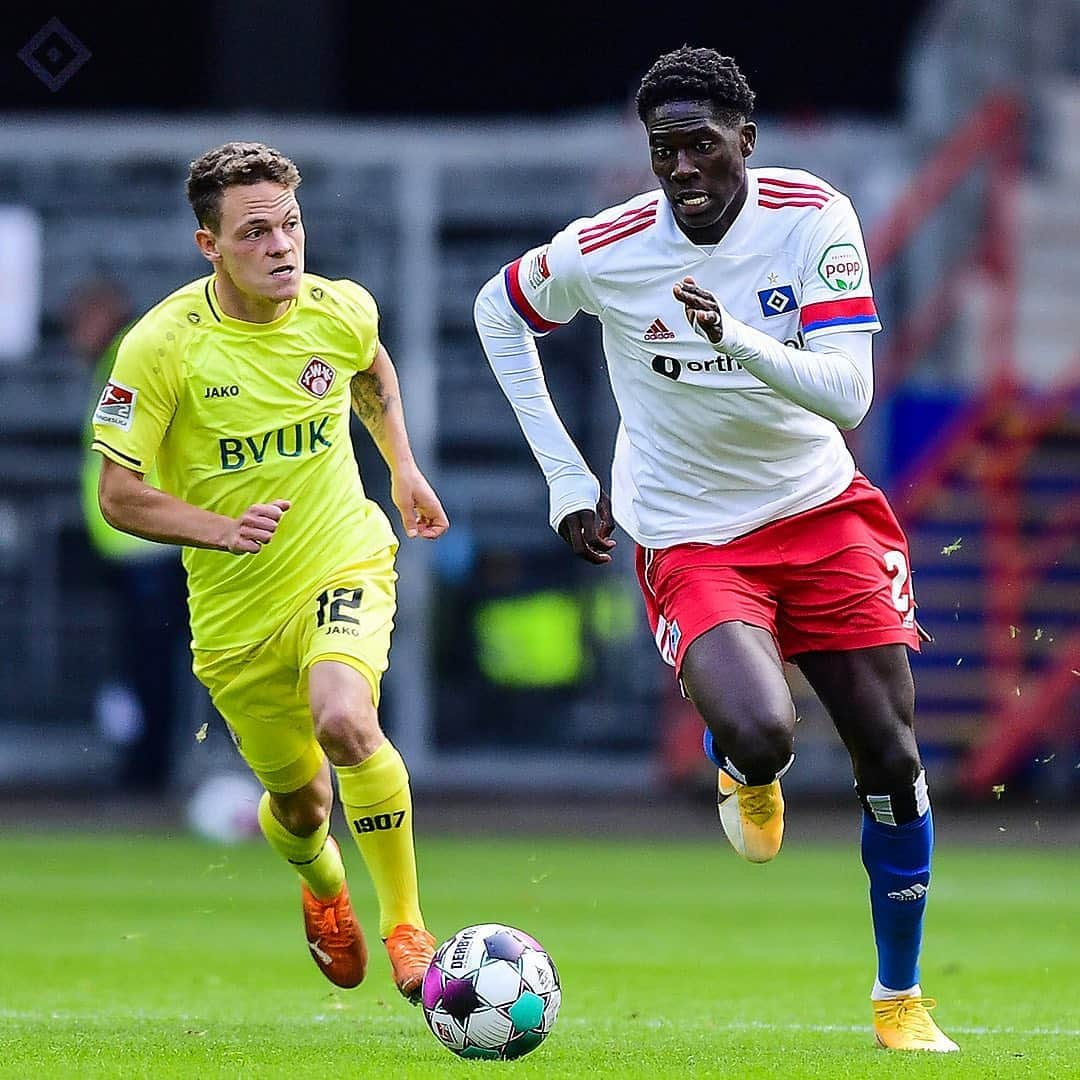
(242, 325)
(732, 239)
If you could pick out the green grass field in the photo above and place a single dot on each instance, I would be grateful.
(137, 956)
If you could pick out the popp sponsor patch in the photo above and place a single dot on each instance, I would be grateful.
(841, 267)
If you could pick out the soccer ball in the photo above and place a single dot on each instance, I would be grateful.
(225, 808)
(491, 992)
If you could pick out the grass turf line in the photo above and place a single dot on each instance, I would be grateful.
(134, 956)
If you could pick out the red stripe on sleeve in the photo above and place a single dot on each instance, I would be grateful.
(827, 310)
(520, 301)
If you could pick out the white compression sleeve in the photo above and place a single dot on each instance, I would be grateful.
(833, 376)
(512, 354)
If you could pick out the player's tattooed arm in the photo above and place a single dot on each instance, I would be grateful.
(371, 400)
(376, 399)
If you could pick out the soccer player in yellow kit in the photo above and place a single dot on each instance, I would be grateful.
(238, 387)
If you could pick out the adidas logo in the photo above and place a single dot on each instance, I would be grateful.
(658, 332)
(916, 892)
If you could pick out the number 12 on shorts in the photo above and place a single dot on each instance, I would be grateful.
(334, 606)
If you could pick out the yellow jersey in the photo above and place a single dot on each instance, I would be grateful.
(234, 413)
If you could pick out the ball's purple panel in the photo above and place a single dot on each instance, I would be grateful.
(459, 998)
(433, 984)
(529, 940)
(503, 946)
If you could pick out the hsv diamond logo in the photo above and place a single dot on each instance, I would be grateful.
(776, 301)
(116, 406)
(659, 332)
(317, 377)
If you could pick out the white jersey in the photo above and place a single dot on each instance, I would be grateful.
(706, 451)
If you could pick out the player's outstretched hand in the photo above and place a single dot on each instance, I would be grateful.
(702, 309)
(255, 527)
(589, 532)
(421, 512)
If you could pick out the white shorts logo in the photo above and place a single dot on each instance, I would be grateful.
(667, 638)
(116, 406)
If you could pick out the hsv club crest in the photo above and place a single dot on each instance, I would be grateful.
(317, 377)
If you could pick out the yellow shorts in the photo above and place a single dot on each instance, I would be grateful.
(261, 689)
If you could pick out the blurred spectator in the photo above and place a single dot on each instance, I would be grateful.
(517, 646)
(136, 701)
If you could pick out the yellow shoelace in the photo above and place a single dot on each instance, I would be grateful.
(757, 804)
(912, 1014)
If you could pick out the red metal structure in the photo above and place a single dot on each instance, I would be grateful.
(983, 465)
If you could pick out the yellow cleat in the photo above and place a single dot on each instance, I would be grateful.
(752, 817)
(906, 1024)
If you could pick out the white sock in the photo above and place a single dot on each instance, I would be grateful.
(883, 993)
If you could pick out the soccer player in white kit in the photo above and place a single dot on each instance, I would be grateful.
(738, 321)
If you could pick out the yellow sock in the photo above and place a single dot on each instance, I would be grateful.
(316, 861)
(378, 807)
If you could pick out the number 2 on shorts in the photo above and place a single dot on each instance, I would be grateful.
(897, 567)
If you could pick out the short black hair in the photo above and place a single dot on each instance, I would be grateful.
(690, 74)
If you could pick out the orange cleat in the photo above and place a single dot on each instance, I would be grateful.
(334, 937)
(410, 949)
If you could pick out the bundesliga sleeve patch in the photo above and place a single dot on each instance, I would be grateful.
(116, 406)
(520, 302)
(539, 272)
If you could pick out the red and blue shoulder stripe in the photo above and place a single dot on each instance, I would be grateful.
(520, 302)
(829, 314)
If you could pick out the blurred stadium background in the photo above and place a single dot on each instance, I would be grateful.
(432, 155)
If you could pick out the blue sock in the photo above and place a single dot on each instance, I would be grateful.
(897, 861)
(710, 749)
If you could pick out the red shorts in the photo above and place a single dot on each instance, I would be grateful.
(832, 578)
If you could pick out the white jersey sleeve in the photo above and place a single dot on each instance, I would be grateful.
(835, 278)
(833, 376)
(531, 296)
(548, 285)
